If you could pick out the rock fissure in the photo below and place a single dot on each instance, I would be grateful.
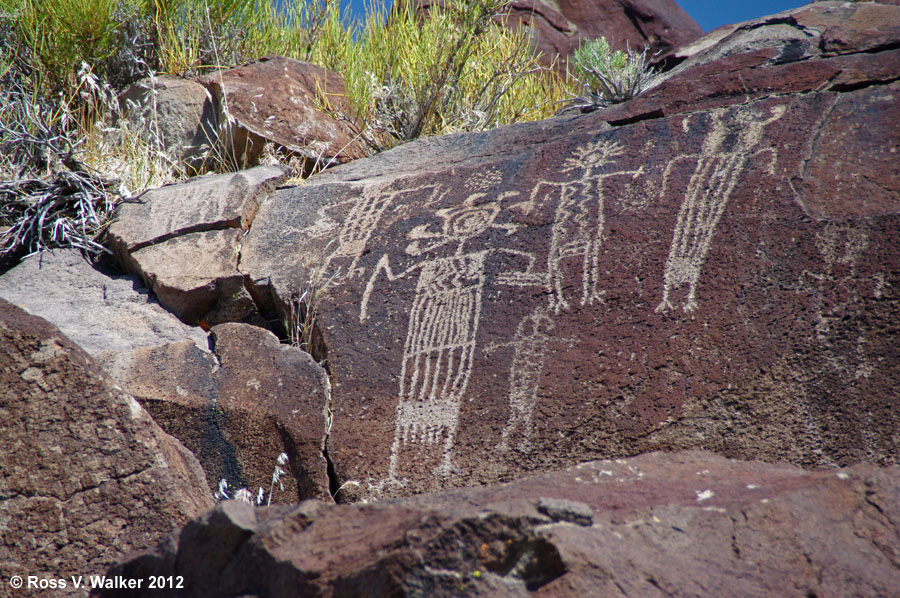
(868, 494)
(198, 228)
(885, 47)
(734, 531)
(857, 85)
(810, 153)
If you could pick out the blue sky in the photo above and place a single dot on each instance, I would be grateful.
(709, 14)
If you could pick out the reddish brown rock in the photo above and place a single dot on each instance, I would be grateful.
(86, 476)
(184, 241)
(714, 264)
(274, 100)
(688, 524)
(560, 26)
(238, 407)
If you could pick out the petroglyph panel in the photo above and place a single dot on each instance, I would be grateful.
(837, 289)
(719, 165)
(498, 290)
(577, 233)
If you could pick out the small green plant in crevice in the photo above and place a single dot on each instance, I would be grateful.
(606, 76)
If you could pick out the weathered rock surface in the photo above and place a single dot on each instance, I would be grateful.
(238, 407)
(274, 100)
(86, 477)
(184, 241)
(560, 26)
(100, 312)
(684, 524)
(175, 115)
(714, 264)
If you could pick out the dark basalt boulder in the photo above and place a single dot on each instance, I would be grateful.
(683, 524)
(86, 477)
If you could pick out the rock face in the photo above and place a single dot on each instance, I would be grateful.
(714, 264)
(175, 115)
(86, 476)
(688, 524)
(184, 241)
(274, 100)
(560, 26)
(238, 407)
(103, 314)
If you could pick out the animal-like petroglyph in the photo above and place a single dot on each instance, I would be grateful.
(719, 165)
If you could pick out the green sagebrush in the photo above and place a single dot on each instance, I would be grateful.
(606, 76)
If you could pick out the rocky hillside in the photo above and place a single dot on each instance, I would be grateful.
(482, 338)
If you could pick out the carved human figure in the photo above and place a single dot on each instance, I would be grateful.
(719, 165)
(529, 345)
(577, 234)
(579, 219)
(440, 344)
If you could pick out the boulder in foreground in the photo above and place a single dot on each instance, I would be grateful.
(684, 524)
(86, 477)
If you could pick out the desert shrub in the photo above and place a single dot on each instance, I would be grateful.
(407, 74)
(48, 196)
(605, 76)
(61, 176)
(201, 35)
(57, 36)
(452, 69)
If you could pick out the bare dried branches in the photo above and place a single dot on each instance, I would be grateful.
(48, 198)
(68, 209)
